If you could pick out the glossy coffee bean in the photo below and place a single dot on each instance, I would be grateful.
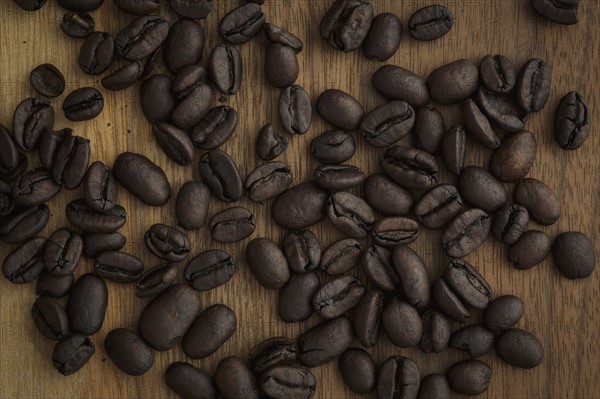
(453, 82)
(85, 218)
(119, 267)
(156, 98)
(438, 206)
(497, 74)
(209, 269)
(430, 23)
(350, 214)
(510, 222)
(338, 177)
(23, 223)
(466, 232)
(191, 207)
(503, 312)
(340, 256)
(167, 243)
(388, 123)
(71, 161)
(571, 121)
(477, 340)
(500, 111)
(174, 142)
(436, 332)
(62, 252)
(234, 379)
(138, 7)
(358, 370)
(468, 284)
(154, 281)
(384, 37)
(97, 53)
(211, 329)
(410, 167)
(448, 303)
(346, 24)
(274, 351)
(12, 162)
(72, 353)
(478, 187)
(100, 187)
(269, 143)
(34, 187)
(541, 201)
(268, 181)
(294, 382)
(55, 286)
(519, 348)
(217, 126)
(564, 12)
(454, 149)
(574, 254)
(429, 130)
(26, 262)
(83, 104)
(394, 230)
(325, 341)
(7, 203)
(193, 107)
(399, 377)
(340, 109)
(276, 34)
(49, 141)
(376, 262)
(387, 197)
(469, 377)
(300, 206)
(141, 37)
(478, 126)
(533, 85)
(186, 380)
(47, 80)
(514, 158)
(30, 5)
(281, 65)
(142, 178)
(295, 297)
(31, 117)
(267, 263)
(225, 67)
(96, 243)
(242, 24)
(232, 224)
(50, 318)
(367, 318)
(87, 304)
(334, 146)
(128, 352)
(413, 275)
(194, 9)
(80, 5)
(295, 109)
(302, 250)
(402, 324)
(337, 296)
(396, 83)
(434, 386)
(77, 24)
(221, 175)
(183, 45)
(188, 78)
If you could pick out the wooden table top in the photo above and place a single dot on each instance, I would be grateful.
(563, 314)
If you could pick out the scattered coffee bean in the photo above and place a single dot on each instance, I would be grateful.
(434, 386)
(302, 250)
(325, 341)
(293, 382)
(281, 65)
(514, 158)
(195, 9)
(78, 24)
(295, 109)
(97, 53)
(358, 370)
(85, 218)
(469, 377)
(468, 284)
(338, 177)
(193, 107)
(438, 206)
(510, 222)
(156, 280)
(62, 252)
(384, 37)
(334, 146)
(346, 24)
(533, 85)
(83, 104)
(395, 230)
(503, 312)
(193, 201)
(217, 126)
(47, 80)
(72, 353)
(367, 318)
(340, 256)
(429, 130)
(211, 329)
(377, 264)
(30, 5)
(141, 37)
(387, 197)
(430, 23)
(574, 254)
(96, 243)
(388, 123)
(87, 304)
(340, 109)
(543, 204)
(267, 263)
(50, 318)
(142, 178)
(268, 181)
(477, 340)
(500, 111)
(498, 74)
(156, 98)
(183, 45)
(167, 243)
(478, 187)
(186, 380)
(413, 275)
(571, 123)
(453, 82)
(26, 262)
(119, 267)
(295, 297)
(55, 286)
(23, 223)
(436, 332)
(466, 233)
(448, 303)
(80, 5)
(337, 296)
(209, 269)
(519, 348)
(563, 12)
(350, 214)
(399, 377)
(100, 187)
(225, 67)
(128, 352)
(275, 34)
(71, 161)
(34, 187)
(221, 175)
(300, 206)
(478, 126)
(269, 143)
(31, 117)
(232, 224)
(402, 324)
(410, 167)
(530, 249)
(174, 142)
(396, 83)
(188, 78)
(12, 162)
(242, 24)
(454, 149)
(138, 7)
(275, 351)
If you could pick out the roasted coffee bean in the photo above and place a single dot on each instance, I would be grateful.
(188, 381)
(31, 117)
(72, 353)
(128, 352)
(350, 214)
(275, 351)
(324, 342)
(514, 158)
(478, 126)
(466, 233)
(193, 107)
(83, 104)
(269, 143)
(167, 243)
(334, 146)
(448, 303)
(293, 382)
(211, 329)
(275, 34)
(30, 5)
(503, 312)
(436, 332)
(533, 85)
(574, 255)
(77, 24)
(174, 142)
(142, 178)
(469, 377)
(267, 263)
(300, 206)
(232, 224)
(395, 230)
(438, 206)
(225, 67)
(183, 45)
(151, 63)
(119, 267)
(235, 379)
(26, 262)
(47, 80)
(338, 177)
(295, 110)
(543, 204)
(156, 280)
(71, 161)
(571, 124)
(377, 264)
(340, 256)
(281, 65)
(410, 167)
(188, 78)
(12, 162)
(100, 187)
(562, 12)
(358, 370)
(454, 149)
(220, 173)
(500, 110)
(384, 37)
(478, 187)
(295, 297)
(209, 269)
(453, 82)
(468, 284)
(195, 9)
(215, 128)
(49, 141)
(85, 218)
(141, 37)
(97, 53)
(337, 296)
(55, 286)
(62, 252)
(497, 74)
(50, 318)
(477, 340)
(167, 317)
(413, 275)
(388, 123)
(387, 197)
(434, 386)
(87, 304)
(156, 98)
(34, 187)
(402, 324)
(519, 348)
(396, 83)
(268, 181)
(7, 203)
(430, 23)
(346, 24)
(399, 378)
(429, 130)
(23, 223)
(192, 204)
(96, 243)
(80, 5)
(138, 7)
(302, 250)
(340, 109)
(510, 222)
(367, 318)
(242, 24)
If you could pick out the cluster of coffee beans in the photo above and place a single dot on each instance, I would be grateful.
(399, 297)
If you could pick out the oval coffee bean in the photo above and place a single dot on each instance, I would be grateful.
(142, 178)
(337, 296)
(7, 203)
(367, 318)
(571, 121)
(225, 67)
(338, 177)
(188, 78)
(477, 340)
(96, 243)
(358, 370)
(100, 187)
(468, 284)
(220, 173)
(268, 181)
(71, 161)
(156, 98)
(281, 65)
(175, 143)
(267, 263)
(448, 303)
(191, 207)
(387, 197)
(87, 304)
(141, 37)
(34, 187)
(295, 109)
(510, 222)
(388, 123)
(478, 125)
(235, 379)
(12, 162)
(211, 329)
(438, 206)
(295, 297)
(413, 275)
(564, 12)
(429, 130)
(340, 109)
(454, 149)
(410, 167)
(269, 143)
(30, 5)
(242, 24)
(466, 233)
(193, 107)
(23, 223)
(533, 85)
(402, 324)
(187, 381)
(334, 146)
(85, 218)
(215, 128)
(396, 83)
(275, 351)
(434, 386)
(31, 117)
(97, 53)
(384, 37)
(514, 158)
(436, 332)
(183, 45)
(500, 110)
(49, 141)
(574, 254)
(302, 250)
(324, 342)
(350, 214)
(430, 23)
(80, 5)
(128, 352)
(519, 348)
(62, 252)
(167, 243)
(503, 312)
(453, 82)
(275, 34)
(156, 280)
(138, 7)
(300, 206)
(543, 204)
(346, 24)
(399, 377)
(497, 74)
(77, 24)
(47, 80)
(194, 9)
(209, 269)
(478, 187)
(72, 353)
(340, 256)
(119, 267)
(469, 377)
(294, 382)
(392, 231)
(377, 264)
(50, 318)
(83, 104)
(232, 224)
(55, 286)
(26, 262)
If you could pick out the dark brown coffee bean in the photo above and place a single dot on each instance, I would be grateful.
(142, 178)
(477, 340)
(478, 126)
(334, 146)
(436, 332)
(454, 149)
(97, 53)
(295, 109)
(295, 297)
(268, 181)
(156, 98)
(293, 382)
(498, 74)
(87, 304)
(49, 141)
(384, 37)
(55, 286)
(232, 224)
(138, 7)
(209, 269)
(413, 275)
(377, 264)
(211, 329)
(533, 85)
(100, 187)
(478, 187)
(220, 173)
(434, 386)
(71, 161)
(346, 24)
(302, 250)
(367, 318)
(62, 252)
(128, 352)
(23, 223)
(242, 24)
(396, 83)
(358, 370)
(31, 117)
(50, 318)
(468, 284)
(429, 130)
(235, 379)
(275, 351)
(448, 303)
(275, 34)
(85, 218)
(215, 128)
(510, 222)
(267, 263)
(225, 67)
(30, 5)
(192, 205)
(269, 143)
(7, 203)
(83, 104)
(399, 378)
(574, 255)
(402, 324)
(466, 232)
(438, 206)
(562, 12)
(167, 243)
(183, 45)
(340, 256)
(519, 348)
(392, 231)
(191, 109)
(12, 162)
(500, 110)
(543, 204)
(188, 78)
(77, 24)
(183, 378)
(47, 80)
(26, 262)
(175, 143)
(410, 167)
(34, 187)
(338, 177)
(72, 353)
(300, 206)
(141, 37)
(571, 121)
(337, 296)
(430, 23)
(514, 158)
(281, 65)
(194, 9)
(453, 82)
(324, 342)
(387, 197)
(503, 312)
(469, 377)
(388, 123)
(119, 267)
(154, 281)
(96, 243)
(350, 214)
(340, 109)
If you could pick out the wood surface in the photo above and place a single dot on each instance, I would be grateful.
(563, 314)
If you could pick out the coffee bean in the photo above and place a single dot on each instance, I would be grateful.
(154, 281)
(503, 312)
(167, 243)
(346, 24)
(413, 275)
(87, 304)
(402, 324)
(72, 353)
(448, 303)
(377, 264)
(138, 7)
(358, 370)
(34, 187)
(97, 53)
(469, 377)
(183, 45)
(96, 243)
(175, 143)
(281, 65)
(302, 250)
(31, 117)
(477, 340)
(350, 214)
(83, 104)
(242, 24)
(209, 269)
(192, 204)
(388, 123)
(340, 256)
(7, 203)
(71, 161)
(23, 223)
(338, 177)
(337, 296)
(396, 83)
(533, 85)
(387, 197)
(510, 222)
(430, 23)
(367, 318)
(77, 24)
(453, 82)
(478, 187)
(50, 318)
(141, 37)
(571, 124)
(232, 224)
(295, 110)
(563, 12)
(282, 382)
(12, 162)
(466, 232)
(211, 329)
(193, 107)
(267, 263)
(142, 178)
(128, 352)
(340, 109)
(399, 377)
(574, 255)
(275, 351)
(217, 126)
(436, 332)
(156, 98)
(543, 204)
(275, 34)
(100, 187)
(85, 218)
(410, 167)
(151, 63)
(187, 381)
(334, 146)
(324, 342)
(438, 206)
(188, 78)
(429, 130)
(47, 80)
(519, 348)
(478, 126)
(454, 149)
(26, 262)
(30, 5)
(392, 231)
(434, 386)
(497, 74)
(267, 181)
(194, 9)
(235, 379)
(225, 67)
(80, 5)
(62, 252)
(468, 284)
(384, 37)
(269, 143)
(500, 110)
(220, 174)
(300, 206)
(49, 140)
(55, 286)
(514, 158)
(295, 297)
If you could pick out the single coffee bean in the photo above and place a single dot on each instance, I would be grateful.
(232, 224)
(275, 351)
(377, 264)
(119, 267)
(324, 342)
(267, 263)
(300, 206)
(142, 178)
(453, 82)
(26, 262)
(72, 353)
(154, 281)
(571, 124)
(410, 167)
(500, 110)
(295, 110)
(396, 83)
(367, 318)
(350, 214)
(334, 146)
(50, 318)
(100, 187)
(434, 386)
(430, 23)
(302, 250)
(478, 187)
(384, 37)
(183, 45)
(337, 296)
(209, 269)
(83, 104)
(510, 222)
(281, 65)
(358, 370)
(454, 149)
(448, 303)
(47, 80)
(194, 9)
(34, 187)
(167, 243)
(211, 329)
(71, 161)
(468, 284)
(413, 275)
(225, 67)
(388, 123)
(399, 377)
(23, 223)
(269, 143)
(395, 230)
(338, 177)
(141, 37)
(514, 158)
(49, 141)
(477, 340)
(193, 107)
(87, 304)
(436, 332)
(80, 5)
(429, 130)
(562, 12)
(7, 203)
(215, 128)
(156, 98)
(31, 117)
(12, 162)
(77, 24)
(533, 85)
(30, 5)
(175, 143)
(188, 78)
(242, 24)
(466, 233)
(268, 181)
(498, 74)
(97, 53)
(541, 201)
(519, 348)
(96, 243)
(220, 173)
(192, 204)
(55, 286)
(340, 109)
(128, 352)
(574, 255)
(62, 252)
(478, 125)
(85, 218)
(438, 206)
(340, 256)
(387, 197)
(346, 24)
(138, 7)
(235, 379)
(402, 324)
(469, 377)
(295, 297)
(294, 382)
(503, 312)
(275, 34)
(187, 381)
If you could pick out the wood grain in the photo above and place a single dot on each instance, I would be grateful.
(564, 314)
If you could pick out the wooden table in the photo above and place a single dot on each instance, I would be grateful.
(562, 313)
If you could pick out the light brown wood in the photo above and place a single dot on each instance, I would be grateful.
(562, 313)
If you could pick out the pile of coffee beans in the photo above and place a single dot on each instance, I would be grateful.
(400, 297)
